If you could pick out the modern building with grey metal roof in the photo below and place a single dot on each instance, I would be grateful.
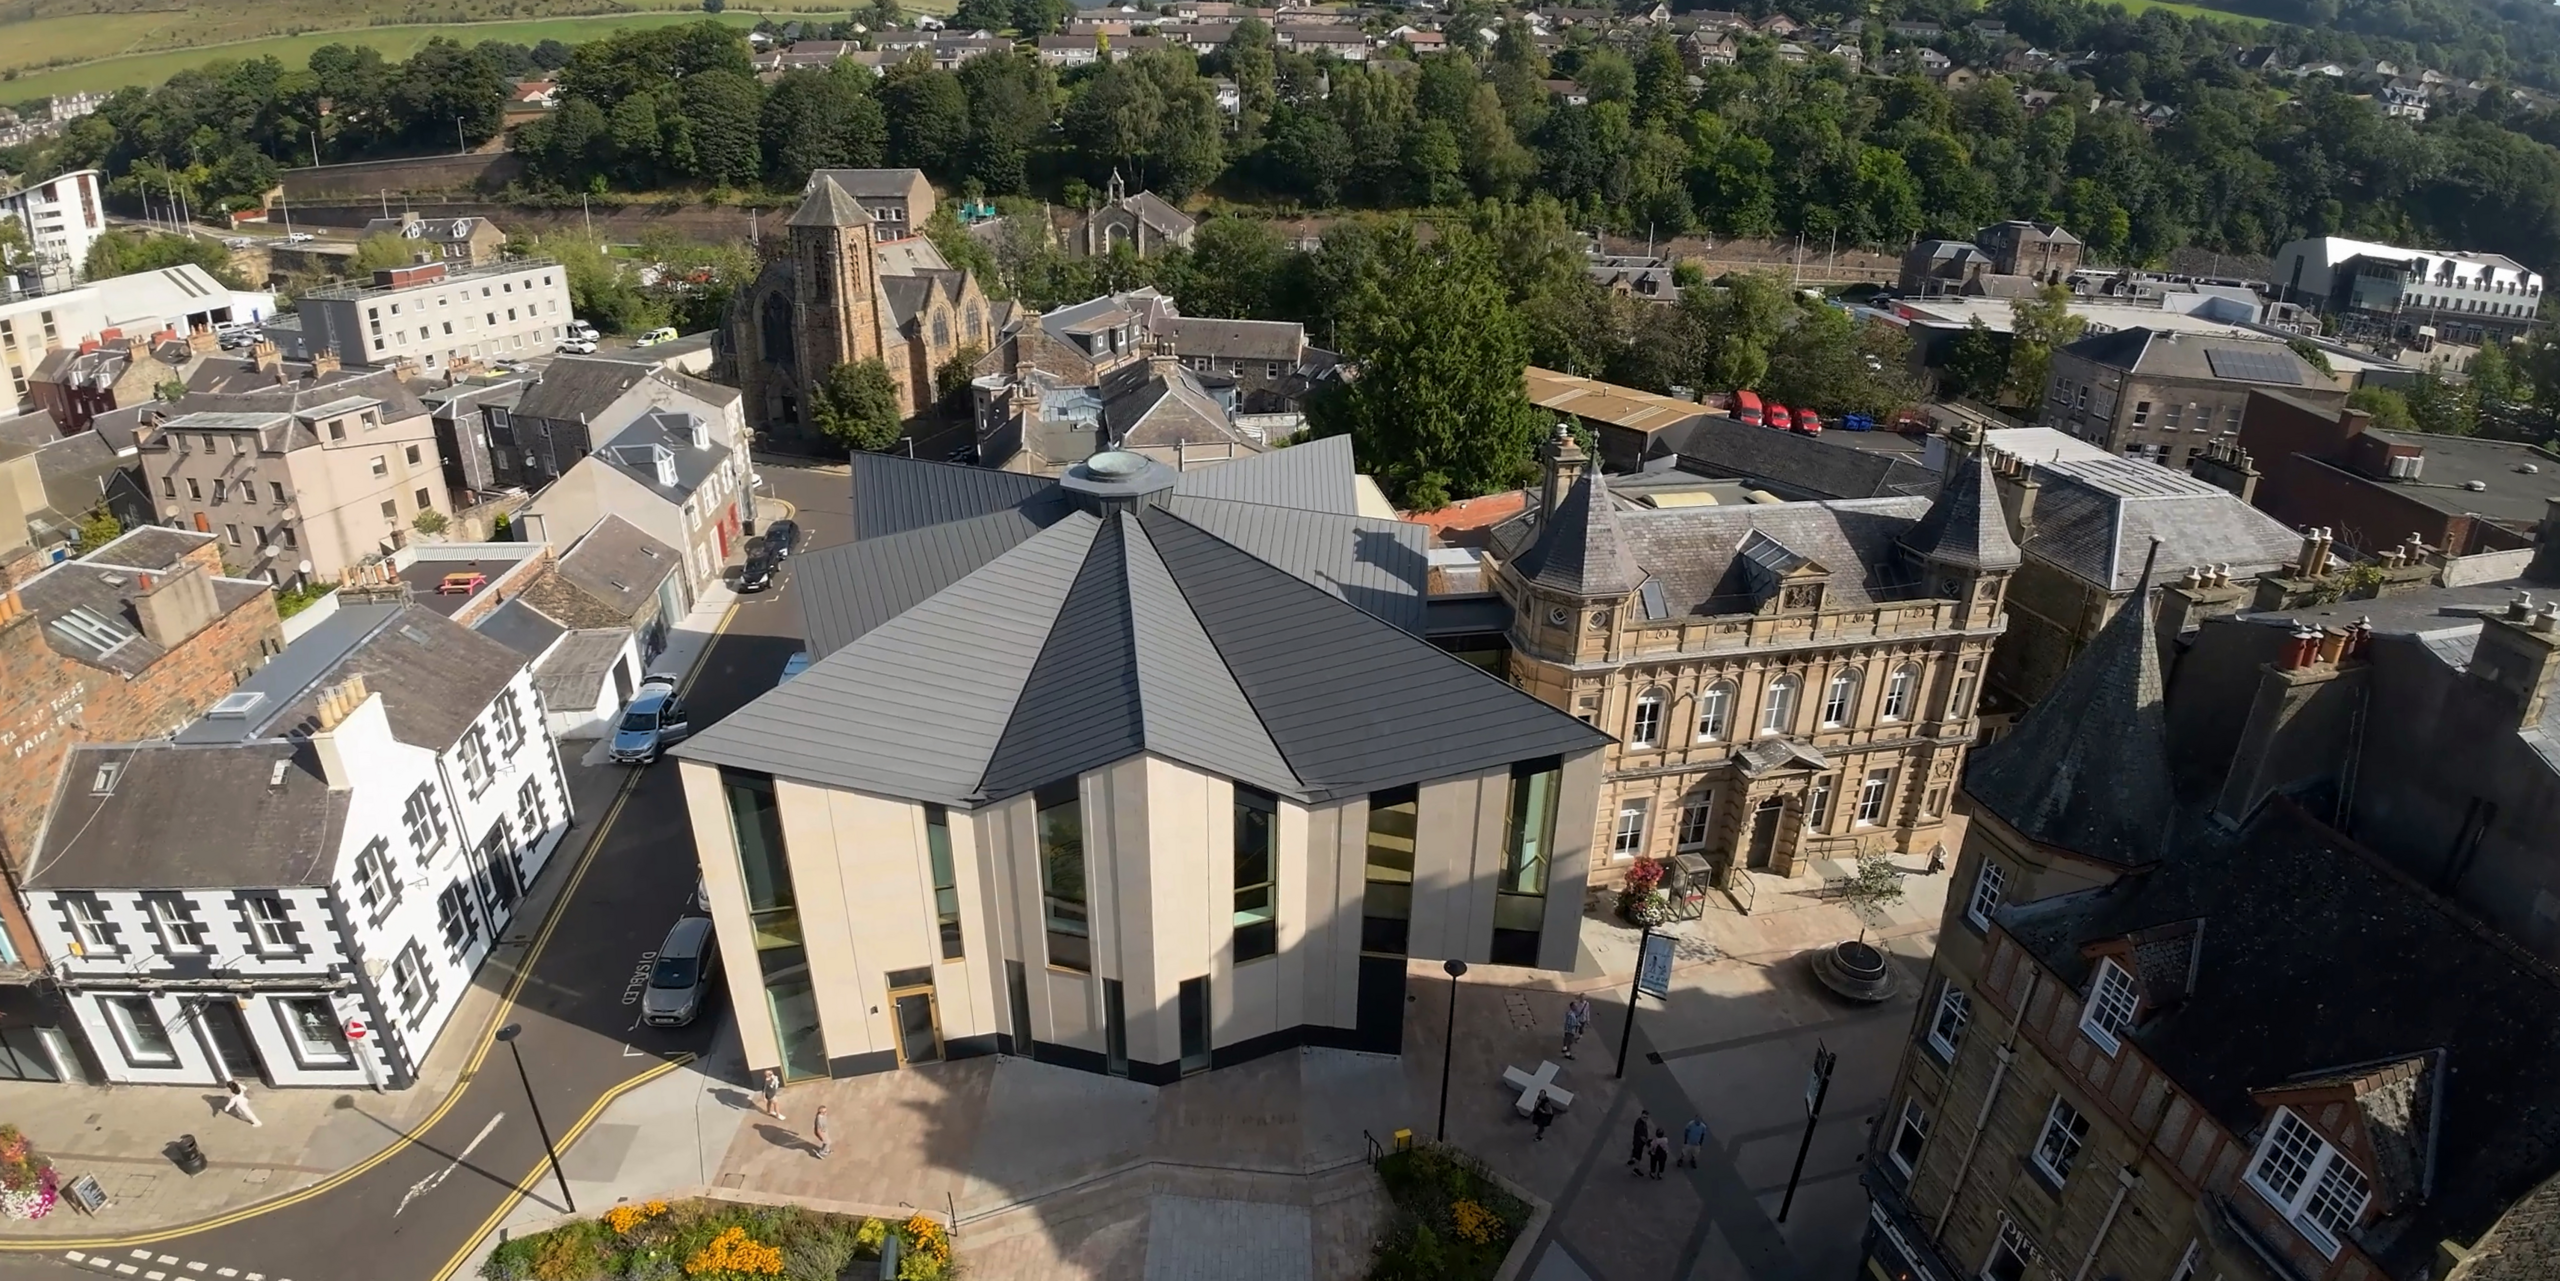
(1193, 707)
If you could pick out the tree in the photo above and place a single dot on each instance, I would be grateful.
(1037, 18)
(1874, 886)
(820, 120)
(551, 55)
(718, 123)
(97, 529)
(122, 252)
(2389, 408)
(714, 6)
(1977, 362)
(928, 116)
(857, 405)
(1010, 106)
(375, 252)
(984, 15)
(2038, 327)
(1737, 323)
(431, 522)
(951, 380)
(1438, 411)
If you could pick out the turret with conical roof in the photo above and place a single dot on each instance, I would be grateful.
(2087, 769)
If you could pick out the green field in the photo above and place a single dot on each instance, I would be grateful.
(147, 46)
(2188, 11)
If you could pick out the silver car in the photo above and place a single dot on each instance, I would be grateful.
(680, 980)
(655, 720)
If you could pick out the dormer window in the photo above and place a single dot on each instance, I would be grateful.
(2309, 1182)
(2110, 1008)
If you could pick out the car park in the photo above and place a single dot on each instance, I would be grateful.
(680, 976)
(783, 536)
(653, 721)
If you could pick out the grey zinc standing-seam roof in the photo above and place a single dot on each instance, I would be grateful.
(1382, 566)
(1315, 476)
(916, 706)
(870, 582)
(892, 495)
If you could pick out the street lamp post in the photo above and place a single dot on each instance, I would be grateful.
(1449, 1044)
(508, 1035)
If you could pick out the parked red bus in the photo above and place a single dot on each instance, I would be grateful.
(1808, 422)
(1780, 418)
(1746, 406)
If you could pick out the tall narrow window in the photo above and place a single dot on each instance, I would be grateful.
(1647, 729)
(1715, 712)
(2110, 1008)
(1910, 1137)
(89, 928)
(1987, 885)
(946, 882)
(1629, 838)
(1899, 690)
(175, 918)
(773, 917)
(1386, 900)
(1257, 917)
(1062, 885)
(144, 1038)
(1520, 897)
(1778, 709)
(1840, 698)
(2065, 1130)
(1946, 1027)
(1695, 811)
(1817, 804)
(1873, 795)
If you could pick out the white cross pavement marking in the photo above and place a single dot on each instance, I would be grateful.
(142, 1254)
(75, 1256)
(226, 1272)
(195, 1267)
(126, 1269)
(155, 1276)
(166, 1258)
(429, 1183)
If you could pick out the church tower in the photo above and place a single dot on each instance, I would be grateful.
(836, 314)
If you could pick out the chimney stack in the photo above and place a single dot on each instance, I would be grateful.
(324, 362)
(348, 712)
(264, 357)
(175, 606)
(201, 339)
(1564, 465)
(2518, 654)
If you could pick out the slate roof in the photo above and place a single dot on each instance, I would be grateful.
(2087, 768)
(435, 676)
(988, 636)
(2096, 518)
(829, 205)
(2316, 959)
(635, 449)
(1966, 527)
(1581, 550)
(86, 605)
(618, 566)
(578, 388)
(877, 184)
(574, 670)
(1264, 340)
(1146, 407)
(1693, 556)
(188, 817)
(1791, 463)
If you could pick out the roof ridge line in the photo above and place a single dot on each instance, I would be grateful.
(1260, 720)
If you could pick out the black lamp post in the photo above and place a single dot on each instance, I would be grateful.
(1449, 1045)
(508, 1035)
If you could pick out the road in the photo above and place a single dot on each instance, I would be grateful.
(412, 1215)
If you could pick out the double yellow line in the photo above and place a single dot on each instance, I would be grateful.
(470, 1069)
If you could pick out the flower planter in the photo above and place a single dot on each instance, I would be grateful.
(1856, 970)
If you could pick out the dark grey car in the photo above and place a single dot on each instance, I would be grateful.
(680, 981)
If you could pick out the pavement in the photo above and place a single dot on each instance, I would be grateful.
(1258, 1172)
(401, 1186)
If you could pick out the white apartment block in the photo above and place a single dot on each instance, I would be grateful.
(63, 216)
(435, 315)
(179, 298)
(338, 842)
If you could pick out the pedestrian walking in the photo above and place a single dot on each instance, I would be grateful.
(1693, 1136)
(237, 1103)
(1661, 1152)
(826, 1142)
(1543, 1115)
(1577, 1020)
(1643, 1139)
(773, 1094)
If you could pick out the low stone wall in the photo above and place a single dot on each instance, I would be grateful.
(620, 223)
(461, 171)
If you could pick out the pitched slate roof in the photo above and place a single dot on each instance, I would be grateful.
(829, 205)
(1694, 556)
(2096, 518)
(576, 388)
(1798, 465)
(435, 677)
(2319, 966)
(1031, 634)
(2087, 769)
(184, 817)
(1965, 526)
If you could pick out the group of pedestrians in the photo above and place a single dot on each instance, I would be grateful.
(823, 1141)
(1651, 1151)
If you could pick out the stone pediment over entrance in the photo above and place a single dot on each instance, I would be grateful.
(1776, 755)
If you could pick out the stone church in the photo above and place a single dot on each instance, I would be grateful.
(845, 291)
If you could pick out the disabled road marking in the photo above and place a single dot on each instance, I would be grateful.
(429, 1183)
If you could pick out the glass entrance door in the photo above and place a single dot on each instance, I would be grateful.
(919, 1031)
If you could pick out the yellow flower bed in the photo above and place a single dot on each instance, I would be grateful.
(734, 1252)
(930, 1238)
(1474, 1222)
(623, 1218)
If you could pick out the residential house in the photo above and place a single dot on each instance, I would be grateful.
(584, 675)
(463, 414)
(558, 417)
(1270, 363)
(614, 577)
(114, 370)
(1783, 682)
(671, 473)
(340, 840)
(300, 480)
(46, 490)
(457, 242)
(1191, 790)
(1349, 44)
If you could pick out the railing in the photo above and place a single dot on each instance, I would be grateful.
(1377, 1151)
(1739, 886)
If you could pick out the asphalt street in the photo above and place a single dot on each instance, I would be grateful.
(411, 1216)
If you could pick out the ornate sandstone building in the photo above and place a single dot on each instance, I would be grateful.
(842, 293)
(1785, 682)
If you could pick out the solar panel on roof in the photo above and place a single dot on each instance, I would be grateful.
(2254, 366)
